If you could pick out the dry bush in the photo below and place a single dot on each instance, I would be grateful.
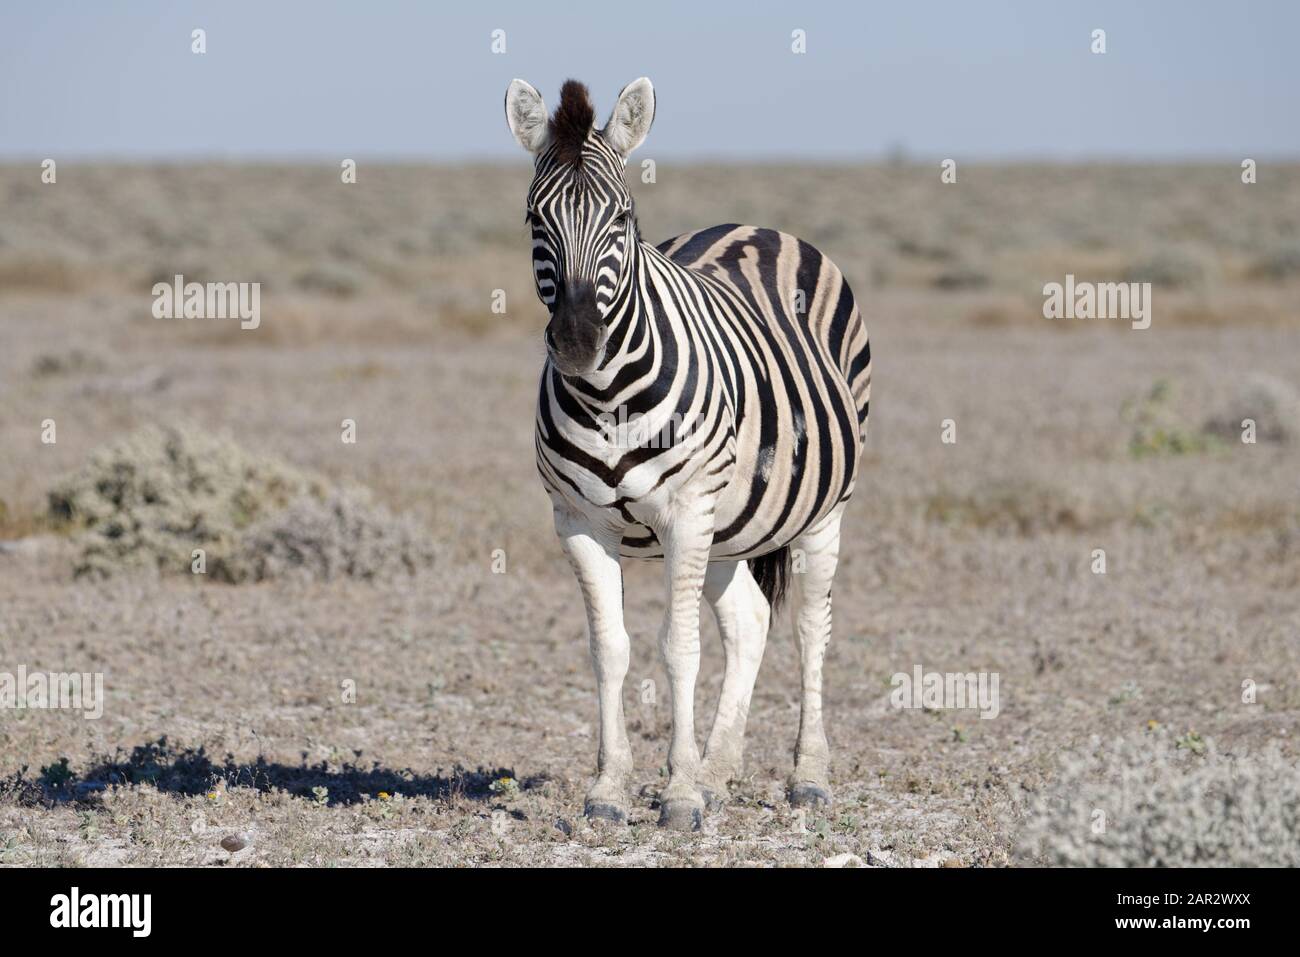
(1271, 402)
(960, 277)
(1277, 264)
(41, 274)
(1171, 268)
(345, 535)
(70, 362)
(152, 498)
(338, 280)
(16, 524)
(1013, 505)
(1153, 802)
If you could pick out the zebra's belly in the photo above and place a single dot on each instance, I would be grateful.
(787, 461)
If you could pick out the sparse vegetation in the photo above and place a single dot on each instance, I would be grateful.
(1172, 268)
(1012, 505)
(345, 534)
(1270, 403)
(1159, 425)
(153, 498)
(344, 661)
(1144, 802)
(1278, 264)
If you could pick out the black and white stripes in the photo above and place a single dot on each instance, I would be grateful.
(748, 338)
(704, 402)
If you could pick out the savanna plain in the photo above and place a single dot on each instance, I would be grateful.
(384, 660)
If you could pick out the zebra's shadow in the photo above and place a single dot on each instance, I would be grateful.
(186, 772)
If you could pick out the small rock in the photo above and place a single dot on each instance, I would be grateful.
(844, 860)
(564, 827)
(881, 859)
(234, 842)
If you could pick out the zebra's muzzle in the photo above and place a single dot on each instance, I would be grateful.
(575, 336)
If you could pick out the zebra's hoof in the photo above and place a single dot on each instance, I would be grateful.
(807, 794)
(680, 816)
(599, 811)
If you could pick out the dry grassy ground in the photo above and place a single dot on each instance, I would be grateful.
(225, 712)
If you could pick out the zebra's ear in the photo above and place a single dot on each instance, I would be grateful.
(526, 114)
(632, 116)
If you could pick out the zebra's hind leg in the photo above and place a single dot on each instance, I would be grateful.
(593, 553)
(743, 617)
(818, 550)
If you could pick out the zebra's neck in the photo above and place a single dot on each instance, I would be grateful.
(632, 351)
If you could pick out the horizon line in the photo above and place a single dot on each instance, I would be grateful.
(901, 159)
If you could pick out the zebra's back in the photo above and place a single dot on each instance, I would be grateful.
(828, 308)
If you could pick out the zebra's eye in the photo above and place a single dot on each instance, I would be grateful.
(620, 221)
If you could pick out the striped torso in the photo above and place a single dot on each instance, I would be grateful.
(747, 389)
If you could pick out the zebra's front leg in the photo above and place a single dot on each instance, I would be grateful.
(686, 559)
(811, 606)
(593, 553)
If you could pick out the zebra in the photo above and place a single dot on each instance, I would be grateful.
(749, 342)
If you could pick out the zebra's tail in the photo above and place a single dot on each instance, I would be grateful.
(772, 573)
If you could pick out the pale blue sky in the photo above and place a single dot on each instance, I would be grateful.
(405, 80)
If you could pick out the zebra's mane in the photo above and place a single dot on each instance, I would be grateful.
(572, 122)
